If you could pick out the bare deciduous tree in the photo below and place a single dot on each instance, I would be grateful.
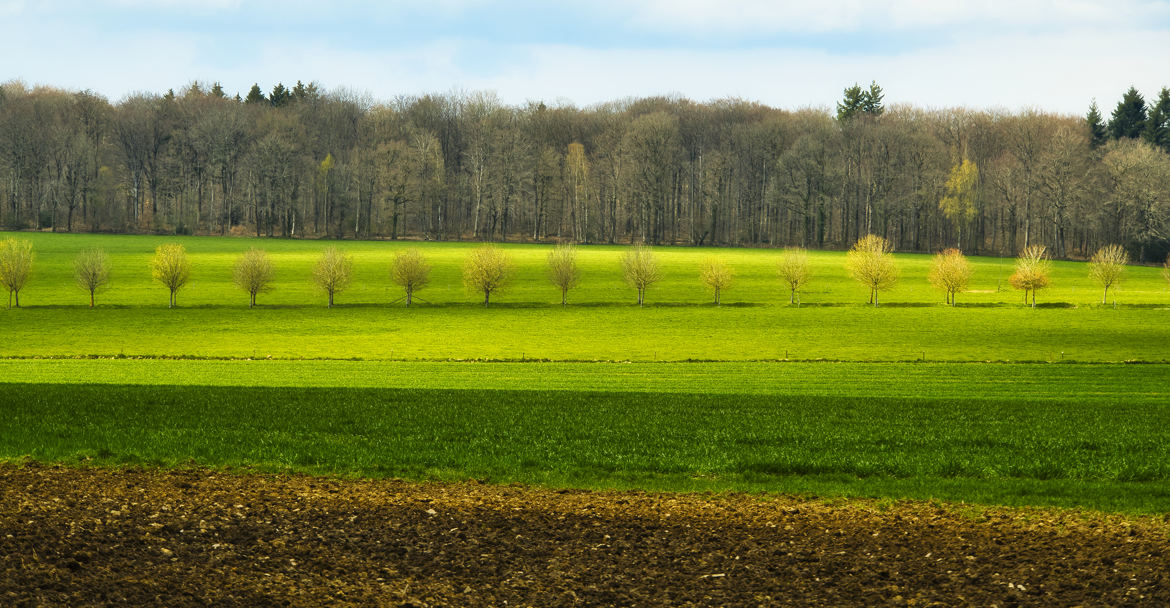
(487, 270)
(16, 258)
(563, 270)
(333, 272)
(253, 273)
(171, 267)
(410, 271)
(91, 268)
(871, 263)
(1032, 270)
(716, 275)
(1107, 266)
(794, 271)
(950, 272)
(640, 269)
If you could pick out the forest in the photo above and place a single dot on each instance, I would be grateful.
(302, 162)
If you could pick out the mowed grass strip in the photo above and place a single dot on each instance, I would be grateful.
(594, 333)
(1105, 455)
(1024, 383)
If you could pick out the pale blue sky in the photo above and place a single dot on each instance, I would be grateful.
(1052, 55)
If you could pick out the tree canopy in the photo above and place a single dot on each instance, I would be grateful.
(303, 162)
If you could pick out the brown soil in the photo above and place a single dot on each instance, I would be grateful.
(85, 536)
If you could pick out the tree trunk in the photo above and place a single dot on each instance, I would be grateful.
(91, 298)
(408, 294)
(486, 296)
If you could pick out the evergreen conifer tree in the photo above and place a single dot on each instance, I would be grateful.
(1097, 132)
(1129, 119)
(1157, 130)
(279, 96)
(859, 100)
(852, 103)
(872, 102)
(254, 95)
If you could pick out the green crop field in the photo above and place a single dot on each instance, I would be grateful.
(991, 401)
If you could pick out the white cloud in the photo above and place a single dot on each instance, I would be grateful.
(1058, 72)
(761, 16)
(1058, 69)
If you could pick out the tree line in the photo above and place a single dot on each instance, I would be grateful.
(489, 269)
(306, 163)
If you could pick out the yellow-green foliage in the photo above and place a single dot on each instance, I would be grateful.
(487, 270)
(16, 257)
(333, 272)
(171, 267)
(871, 263)
(951, 272)
(1107, 266)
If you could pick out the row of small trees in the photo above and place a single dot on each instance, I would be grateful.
(870, 262)
(488, 269)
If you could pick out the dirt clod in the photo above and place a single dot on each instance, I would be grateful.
(198, 537)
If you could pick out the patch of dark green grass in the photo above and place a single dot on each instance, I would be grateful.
(1097, 454)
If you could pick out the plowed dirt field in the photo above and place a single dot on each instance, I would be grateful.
(77, 536)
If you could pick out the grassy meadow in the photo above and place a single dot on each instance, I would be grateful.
(601, 283)
(990, 401)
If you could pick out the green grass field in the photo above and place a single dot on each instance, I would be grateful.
(990, 401)
(756, 282)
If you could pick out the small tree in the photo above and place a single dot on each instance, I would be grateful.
(1107, 266)
(410, 271)
(640, 269)
(950, 272)
(253, 273)
(563, 270)
(794, 271)
(871, 263)
(958, 204)
(91, 268)
(16, 258)
(171, 267)
(1032, 270)
(333, 272)
(487, 270)
(1166, 269)
(716, 275)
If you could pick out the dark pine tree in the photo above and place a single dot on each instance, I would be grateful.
(1129, 119)
(280, 96)
(254, 95)
(1097, 132)
(217, 91)
(1158, 123)
(303, 91)
(872, 102)
(853, 102)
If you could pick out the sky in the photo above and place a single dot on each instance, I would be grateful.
(1050, 55)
